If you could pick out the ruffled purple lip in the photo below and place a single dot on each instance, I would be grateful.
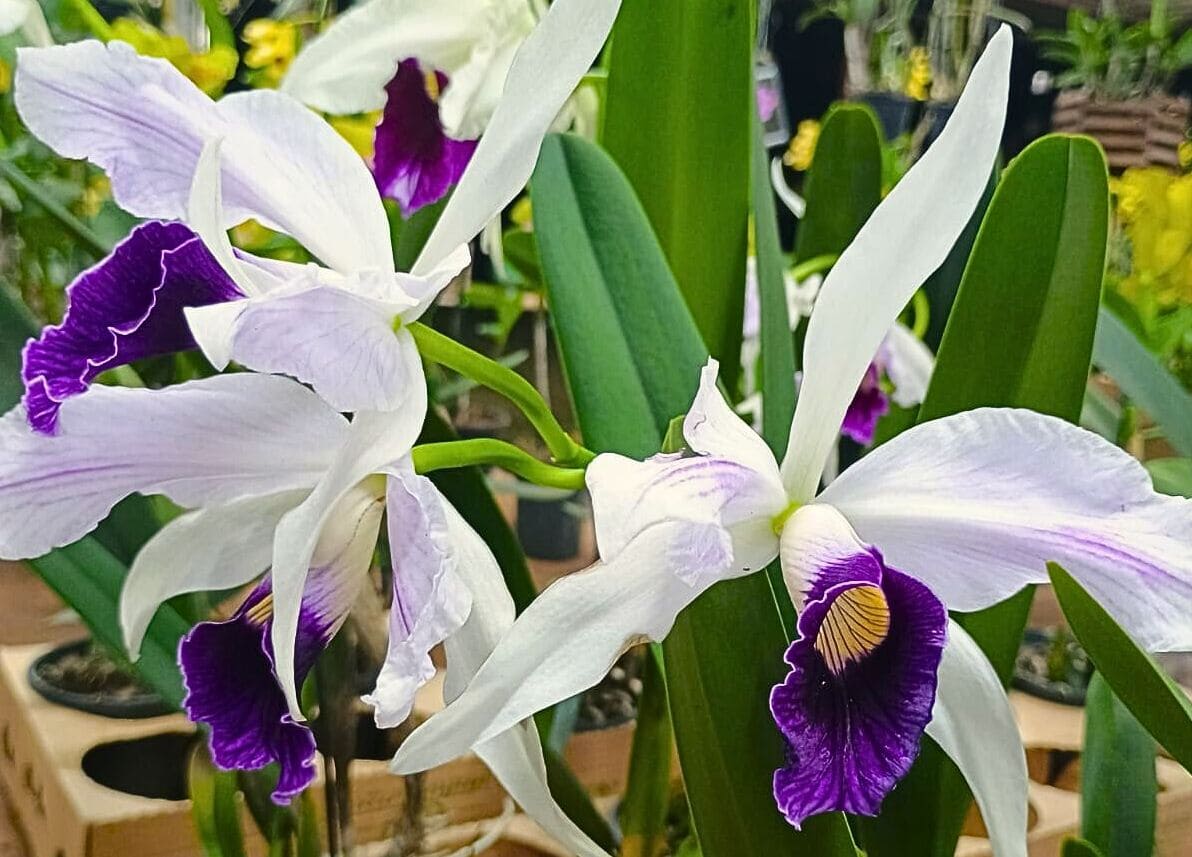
(125, 308)
(227, 668)
(414, 161)
(860, 690)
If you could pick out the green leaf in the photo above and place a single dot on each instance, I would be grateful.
(844, 184)
(1074, 847)
(1144, 379)
(1171, 475)
(1139, 682)
(1118, 789)
(1020, 335)
(647, 797)
(677, 121)
(632, 356)
(213, 806)
(621, 320)
(88, 578)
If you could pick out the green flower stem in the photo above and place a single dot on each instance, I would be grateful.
(465, 453)
(55, 209)
(444, 350)
(814, 265)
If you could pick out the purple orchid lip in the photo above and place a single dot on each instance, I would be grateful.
(868, 406)
(860, 690)
(228, 671)
(125, 308)
(414, 161)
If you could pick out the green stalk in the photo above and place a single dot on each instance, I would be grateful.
(429, 457)
(55, 209)
(444, 350)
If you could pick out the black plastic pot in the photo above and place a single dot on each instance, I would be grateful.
(896, 113)
(129, 704)
(548, 528)
(1038, 648)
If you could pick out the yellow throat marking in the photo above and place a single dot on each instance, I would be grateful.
(856, 624)
(262, 611)
(431, 79)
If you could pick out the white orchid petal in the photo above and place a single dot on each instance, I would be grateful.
(550, 64)
(430, 599)
(725, 507)
(974, 725)
(906, 238)
(976, 504)
(475, 87)
(345, 69)
(211, 549)
(908, 364)
(514, 756)
(204, 214)
(334, 340)
(563, 643)
(144, 123)
(711, 427)
(208, 441)
(375, 441)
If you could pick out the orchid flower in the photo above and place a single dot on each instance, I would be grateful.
(436, 73)
(902, 359)
(200, 166)
(955, 514)
(242, 452)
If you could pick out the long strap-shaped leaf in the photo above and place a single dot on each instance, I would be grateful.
(1020, 335)
(603, 269)
(680, 93)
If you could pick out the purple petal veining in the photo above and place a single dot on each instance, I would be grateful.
(125, 308)
(414, 161)
(228, 671)
(860, 690)
(869, 405)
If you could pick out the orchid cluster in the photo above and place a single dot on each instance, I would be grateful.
(289, 468)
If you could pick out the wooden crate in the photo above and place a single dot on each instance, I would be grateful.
(1137, 133)
(63, 812)
(1053, 736)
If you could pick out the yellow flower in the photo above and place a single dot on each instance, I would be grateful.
(918, 79)
(97, 190)
(1185, 153)
(522, 214)
(801, 151)
(209, 70)
(1154, 210)
(272, 45)
(5, 76)
(359, 131)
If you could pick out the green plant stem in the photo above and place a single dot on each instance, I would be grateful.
(466, 453)
(55, 209)
(814, 265)
(444, 350)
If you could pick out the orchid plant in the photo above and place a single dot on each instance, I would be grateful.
(299, 453)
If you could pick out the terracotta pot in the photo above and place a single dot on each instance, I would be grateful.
(1136, 133)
